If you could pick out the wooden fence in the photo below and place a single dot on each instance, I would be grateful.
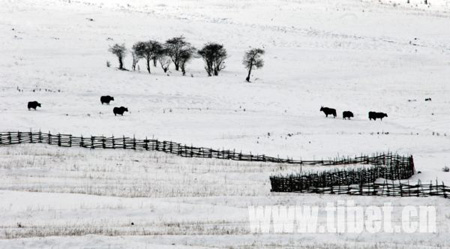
(387, 188)
(101, 142)
(394, 169)
(387, 166)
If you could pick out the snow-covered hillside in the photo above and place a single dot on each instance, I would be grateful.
(357, 55)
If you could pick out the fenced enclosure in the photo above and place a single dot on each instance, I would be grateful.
(387, 166)
(394, 169)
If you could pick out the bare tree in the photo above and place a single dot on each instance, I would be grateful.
(147, 50)
(136, 52)
(214, 56)
(120, 51)
(139, 49)
(252, 59)
(174, 48)
(186, 55)
(135, 60)
(164, 61)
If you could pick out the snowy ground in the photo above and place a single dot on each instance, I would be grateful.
(64, 193)
(351, 55)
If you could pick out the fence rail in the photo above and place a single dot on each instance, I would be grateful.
(386, 188)
(102, 142)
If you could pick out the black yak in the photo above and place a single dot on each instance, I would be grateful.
(328, 111)
(106, 99)
(347, 114)
(375, 115)
(428, 99)
(119, 110)
(33, 105)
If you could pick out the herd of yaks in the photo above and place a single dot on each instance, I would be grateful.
(103, 99)
(328, 111)
(349, 114)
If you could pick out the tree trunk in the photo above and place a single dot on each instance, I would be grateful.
(148, 65)
(120, 63)
(177, 66)
(133, 66)
(183, 69)
(154, 61)
(163, 67)
(248, 76)
(249, 71)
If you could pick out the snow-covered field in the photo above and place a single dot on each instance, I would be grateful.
(76, 198)
(358, 55)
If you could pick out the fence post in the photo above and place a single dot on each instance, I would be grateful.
(70, 140)
(179, 148)
(444, 190)
(134, 142)
(31, 136)
(124, 143)
(59, 139)
(49, 138)
(401, 188)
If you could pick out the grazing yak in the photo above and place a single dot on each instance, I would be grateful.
(328, 111)
(33, 105)
(375, 115)
(106, 99)
(119, 110)
(347, 114)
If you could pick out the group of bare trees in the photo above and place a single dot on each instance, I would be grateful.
(180, 52)
(175, 50)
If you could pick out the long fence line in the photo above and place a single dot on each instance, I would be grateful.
(102, 142)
